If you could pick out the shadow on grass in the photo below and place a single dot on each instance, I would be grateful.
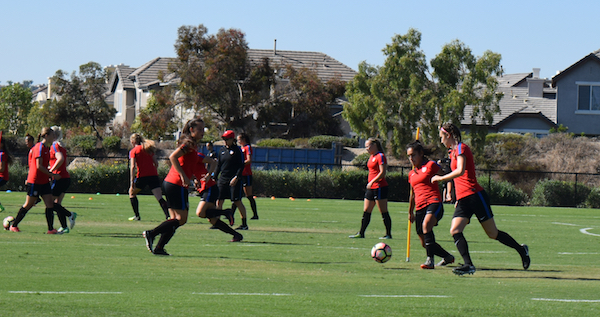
(113, 235)
(537, 277)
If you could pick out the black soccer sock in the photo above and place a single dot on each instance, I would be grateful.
(508, 241)
(215, 213)
(166, 236)
(225, 228)
(253, 206)
(135, 204)
(429, 244)
(60, 209)
(233, 207)
(163, 205)
(366, 219)
(163, 227)
(463, 247)
(50, 218)
(20, 215)
(244, 222)
(62, 218)
(387, 221)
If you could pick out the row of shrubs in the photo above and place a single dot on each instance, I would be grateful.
(318, 142)
(337, 184)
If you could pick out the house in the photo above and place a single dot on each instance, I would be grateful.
(578, 95)
(528, 105)
(133, 86)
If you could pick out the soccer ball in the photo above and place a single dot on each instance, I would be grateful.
(7, 222)
(381, 252)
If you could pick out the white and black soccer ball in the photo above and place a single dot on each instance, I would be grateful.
(7, 222)
(381, 252)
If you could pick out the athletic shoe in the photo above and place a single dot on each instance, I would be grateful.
(14, 229)
(229, 216)
(358, 235)
(134, 218)
(464, 269)
(53, 231)
(525, 258)
(242, 227)
(160, 252)
(149, 240)
(428, 265)
(2, 208)
(237, 238)
(62, 230)
(385, 237)
(72, 219)
(255, 217)
(447, 260)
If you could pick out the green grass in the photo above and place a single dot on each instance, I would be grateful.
(295, 261)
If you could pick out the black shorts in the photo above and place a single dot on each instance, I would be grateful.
(3, 182)
(150, 181)
(380, 193)
(234, 193)
(37, 190)
(60, 186)
(210, 195)
(476, 204)
(246, 180)
(437, 210)
(177, 196)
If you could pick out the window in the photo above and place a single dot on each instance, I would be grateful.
(588, 98)
(119, 103)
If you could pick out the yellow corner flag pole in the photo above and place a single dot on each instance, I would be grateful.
(409, 223)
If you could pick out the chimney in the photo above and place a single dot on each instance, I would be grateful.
(536, 84)
(275, 47)
(49, 92)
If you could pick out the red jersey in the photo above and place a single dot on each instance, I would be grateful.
(247, 151)
(61, 170)
(188, 162)
(466, 184)
(373, 165)
(144, 162)
(35, 176)
(426, 192)
(4, 174)
(200, 172)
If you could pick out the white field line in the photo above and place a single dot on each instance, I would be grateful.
(568, 300)
(47, 292)
(584, 230)
(577, 253)
(565, 224)
(407, 296)
(242, 294)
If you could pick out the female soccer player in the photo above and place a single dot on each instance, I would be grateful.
(209, 192)
(229, 172)
(5, 160)
(244, 140)
(176, 183)
(38, 181)
(142, 173)
(425, 197)
(377, 189)
(58, 164)
(471, 200)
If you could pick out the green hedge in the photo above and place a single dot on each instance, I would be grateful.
(112, 144)
(84, 145)
(559, 194)
(275, 143)
(503, 192)
(326, 141)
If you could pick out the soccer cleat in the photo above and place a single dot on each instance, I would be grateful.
(2, 208)
(149, 240)
(14, 229)
(53, 231)
(134, 218)
(237, 238)
(160, 252)
(447, 260)
(428, 265)
(229, 216)
(255, 217)
(62, 230)
(242, 227)
(72, 219)
(386, 237)
(464, 269)
(525, 257)
(358, 235)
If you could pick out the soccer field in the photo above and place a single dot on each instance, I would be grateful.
(297, 260)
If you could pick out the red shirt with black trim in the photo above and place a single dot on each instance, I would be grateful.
(466, 184)
(4, 175)
(200, 172)
(426, 192)
(35, 176)
(144, 162)
(373, 164)
(188, 162)
(61, 170)
(247, 151)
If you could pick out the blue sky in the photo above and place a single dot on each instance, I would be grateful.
(37, 38)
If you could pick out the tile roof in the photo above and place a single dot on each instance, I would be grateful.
(148, 73)
(121, 72)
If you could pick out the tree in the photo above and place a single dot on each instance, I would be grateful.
(391, 101)
(216, 77)
(15, 104)
(157, 120)
(80, 99)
